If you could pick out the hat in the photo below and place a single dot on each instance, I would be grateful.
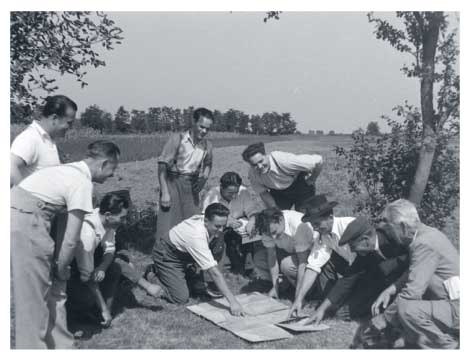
(357, 228)
(316, 206)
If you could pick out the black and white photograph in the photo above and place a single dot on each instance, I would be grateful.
(232, 179)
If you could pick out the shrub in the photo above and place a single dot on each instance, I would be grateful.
(381, 168)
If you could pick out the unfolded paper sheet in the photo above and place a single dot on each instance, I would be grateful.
(259, 325)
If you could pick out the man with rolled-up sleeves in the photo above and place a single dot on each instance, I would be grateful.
(282, 179)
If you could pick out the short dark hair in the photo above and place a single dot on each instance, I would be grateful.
(103, 149)
(114, 202)
(216, 209)
(253, 149)
(202, 112)
(58, 105)
(230, 179)
(266, 217)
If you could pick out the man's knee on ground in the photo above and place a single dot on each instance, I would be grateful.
(288, 268)
(179, 298)
(409, 310)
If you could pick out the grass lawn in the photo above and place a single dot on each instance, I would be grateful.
(142, 322)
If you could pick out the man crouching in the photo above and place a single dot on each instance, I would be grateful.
(186, 243)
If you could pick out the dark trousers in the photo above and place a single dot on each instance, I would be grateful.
(236, 252)
(80, 297)
(294, 194)
(173, 270)
(366, 287)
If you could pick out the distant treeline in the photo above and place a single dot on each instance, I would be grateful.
(164, 119)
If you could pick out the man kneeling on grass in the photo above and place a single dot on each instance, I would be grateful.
(90, 285)
(287, 242)
(189, 242)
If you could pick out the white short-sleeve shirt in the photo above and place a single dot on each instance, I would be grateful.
(36, 148)
(191, 236)
(67, 185)
(322, 250)
(298, 236)
(284, 168)
(242, 206)
(92, 234)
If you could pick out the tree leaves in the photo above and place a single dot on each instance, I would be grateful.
(61, 42)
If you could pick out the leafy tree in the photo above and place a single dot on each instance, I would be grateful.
(62, 42)
(381, 169)
(139, 121)
(96, 118)
(372, 128)
(331, 132)
(425, 36)
(122, 120)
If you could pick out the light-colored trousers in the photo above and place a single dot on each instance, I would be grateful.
(39, 299)
(430, 324)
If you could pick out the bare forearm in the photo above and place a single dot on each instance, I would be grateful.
(309, 278)
(220, 282)
(268, 199)
(163, 177)
(299, 277)
(107, 260)
(94, 287)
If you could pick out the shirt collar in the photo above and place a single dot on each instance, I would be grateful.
(335, 227)
(35, 124)
(377, 250)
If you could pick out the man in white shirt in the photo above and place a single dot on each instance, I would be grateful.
(288, 242)
(40, 264)
(242, 206)
(327, 259)
(189, 242)
(35, 147)
(282, 179)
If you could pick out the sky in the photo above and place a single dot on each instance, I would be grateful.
(327, 69)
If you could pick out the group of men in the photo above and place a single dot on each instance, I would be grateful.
(401, 275)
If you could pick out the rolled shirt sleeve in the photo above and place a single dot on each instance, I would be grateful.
(294, 163)
(80, 197)
(109, 242)
(169, 152)
(25, 147)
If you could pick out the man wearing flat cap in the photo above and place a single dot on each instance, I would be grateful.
(327, 259)
(379, 262)
(282, 179)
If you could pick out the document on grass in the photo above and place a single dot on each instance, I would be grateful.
(298, 325)
(258, 325)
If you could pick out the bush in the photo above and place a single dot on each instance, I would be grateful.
(382, 168)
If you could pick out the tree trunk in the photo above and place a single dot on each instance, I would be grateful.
(430, 35)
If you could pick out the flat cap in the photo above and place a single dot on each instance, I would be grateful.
(358, 227)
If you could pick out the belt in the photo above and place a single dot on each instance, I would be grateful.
(25, 202)
(185, 175)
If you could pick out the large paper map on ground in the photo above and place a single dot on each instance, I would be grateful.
(259, 325)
